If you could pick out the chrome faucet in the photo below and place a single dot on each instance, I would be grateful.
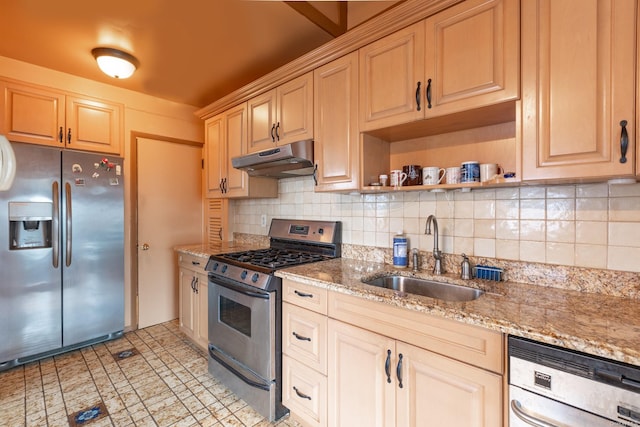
(437, 254)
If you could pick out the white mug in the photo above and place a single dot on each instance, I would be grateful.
(489, 171)
(453, 175)
(432, 175)
(397, 178)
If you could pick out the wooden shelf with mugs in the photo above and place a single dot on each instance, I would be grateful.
(481, 157)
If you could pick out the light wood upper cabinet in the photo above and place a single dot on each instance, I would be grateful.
(435, 68)
(472, 56)
(281, 115)
(391, 79)
(39, 115)
(225, 138)
(578, 62)
(337, 146)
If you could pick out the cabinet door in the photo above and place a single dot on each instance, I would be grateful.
(392, 78)
(186, 284)
(294, 118)
(262, 121)
(337, 145)
(214, 148)
(216, 219)
(577, 87)
(236, 139)
(201, 323)
(464, 72)
(33, 115)
(359, 392)
(94, 125)
(438, 391)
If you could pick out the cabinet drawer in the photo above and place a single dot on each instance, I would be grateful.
(192, 262)
(307, 296)
(304, 336)
(304, 392)
(471, 344)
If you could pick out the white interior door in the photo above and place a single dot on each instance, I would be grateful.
(169, 214)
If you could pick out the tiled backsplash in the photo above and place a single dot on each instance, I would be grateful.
(584, 225)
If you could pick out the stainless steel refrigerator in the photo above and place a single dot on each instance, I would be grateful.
(61, 253)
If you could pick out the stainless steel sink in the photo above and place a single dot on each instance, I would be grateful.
(426, 287)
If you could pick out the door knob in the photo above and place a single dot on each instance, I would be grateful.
(145, 246)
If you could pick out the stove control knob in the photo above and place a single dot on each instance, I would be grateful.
(255, 277)
(243, 275)
(224, 268)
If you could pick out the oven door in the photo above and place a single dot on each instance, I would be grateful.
(242, 324)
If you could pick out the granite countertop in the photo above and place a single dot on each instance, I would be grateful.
(598, 324)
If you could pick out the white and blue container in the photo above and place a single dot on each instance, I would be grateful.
(400, 250)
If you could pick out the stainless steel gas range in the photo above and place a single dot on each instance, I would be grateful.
(245, 309)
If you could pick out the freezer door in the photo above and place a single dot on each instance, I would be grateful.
(92, 246)
(30, 285)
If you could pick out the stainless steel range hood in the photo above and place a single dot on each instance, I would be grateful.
(285, 161)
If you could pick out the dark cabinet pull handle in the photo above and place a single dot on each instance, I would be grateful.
(69, 136)
(387, 366)
(302, 395)
(418, 95)
(301, 338)
(399, 370)
(315, 175)
(193, 287)
(303, 294)
(273, 131)
(220, 186)
(196, 286)
(624, 142)
(220, 233)
(195, 262)
(61, 135)
(429, 93)
(278, 131)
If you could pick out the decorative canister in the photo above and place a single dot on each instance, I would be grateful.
(400, 250)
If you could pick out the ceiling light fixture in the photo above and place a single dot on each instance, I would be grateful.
(115, 63)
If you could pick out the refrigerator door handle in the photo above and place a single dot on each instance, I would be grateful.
(67, 188)
(55, 226)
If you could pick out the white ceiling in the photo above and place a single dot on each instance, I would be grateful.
(190, 51)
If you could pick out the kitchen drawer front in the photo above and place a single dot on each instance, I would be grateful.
(471, 344)
(307, 296)
(304, 336)
(192, 262)
(304, 392)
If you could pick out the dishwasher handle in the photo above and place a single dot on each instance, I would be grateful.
(531, 420)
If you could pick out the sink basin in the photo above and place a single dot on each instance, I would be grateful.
(426, 287)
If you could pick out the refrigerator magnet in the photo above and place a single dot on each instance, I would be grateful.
(114, 181)
(76, 168)
(79, 182)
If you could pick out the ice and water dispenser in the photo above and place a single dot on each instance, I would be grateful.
(30, 225)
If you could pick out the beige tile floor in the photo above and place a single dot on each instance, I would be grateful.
(164, 383)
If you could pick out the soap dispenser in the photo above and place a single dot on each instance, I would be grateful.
(465, 268)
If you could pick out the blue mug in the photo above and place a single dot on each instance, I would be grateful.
(470, 172)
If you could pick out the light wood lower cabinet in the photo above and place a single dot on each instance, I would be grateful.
(304, 348)
(193, 298)
(385, 366)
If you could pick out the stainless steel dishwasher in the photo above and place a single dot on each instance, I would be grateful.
(554, 387)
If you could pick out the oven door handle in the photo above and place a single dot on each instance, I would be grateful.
(212, 353)
(519, 412)
(240, 289)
